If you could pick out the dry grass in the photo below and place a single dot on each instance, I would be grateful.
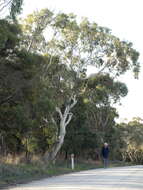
(15, 170)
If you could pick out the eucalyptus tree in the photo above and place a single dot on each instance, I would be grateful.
(77, 44)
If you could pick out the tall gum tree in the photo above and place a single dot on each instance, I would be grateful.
(77, 45)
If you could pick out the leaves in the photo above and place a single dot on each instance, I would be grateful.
(13, 6)
(43, 64)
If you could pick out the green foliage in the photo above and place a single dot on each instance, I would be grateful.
(43, 64)
(8, 36)
(103, 88)
(132, 141)
(23, 101)
(16, 7)
(13, 7)
(79, 44)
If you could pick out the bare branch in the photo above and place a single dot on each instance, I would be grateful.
(45, 119)
(4, 5)
(67, 109)
(74, 101)
(8, 98)
(51, 56)
(69, 119)
(60, 113)
(102, 69)
(30, 44)
(53, 120)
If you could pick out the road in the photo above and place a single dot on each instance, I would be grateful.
(119, 178)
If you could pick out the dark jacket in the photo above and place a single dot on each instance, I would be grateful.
(105, 152)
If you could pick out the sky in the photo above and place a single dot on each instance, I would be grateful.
(124, 18)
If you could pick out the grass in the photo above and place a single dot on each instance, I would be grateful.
(11, 174)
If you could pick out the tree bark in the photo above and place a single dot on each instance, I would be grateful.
(65, 118)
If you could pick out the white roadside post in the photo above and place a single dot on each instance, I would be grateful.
(72, 161)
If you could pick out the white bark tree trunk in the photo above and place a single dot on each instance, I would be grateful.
(65, 118)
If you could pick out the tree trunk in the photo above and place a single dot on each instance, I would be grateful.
(57, 146)
(65, 118)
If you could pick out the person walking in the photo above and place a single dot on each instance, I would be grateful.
(105, 154)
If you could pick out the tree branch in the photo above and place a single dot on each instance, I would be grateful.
(60, 113)
(4, 5)
(53, 120)
(69, 119)
(74, 101)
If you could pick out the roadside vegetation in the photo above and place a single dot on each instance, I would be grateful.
(13, 174)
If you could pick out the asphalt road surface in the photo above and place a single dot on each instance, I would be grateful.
(119, 178)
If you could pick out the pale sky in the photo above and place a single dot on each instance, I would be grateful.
(124, 18)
